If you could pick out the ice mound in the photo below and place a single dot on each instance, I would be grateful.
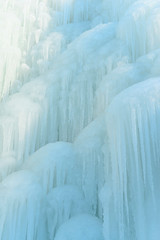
(89, 146)
(63, 203)
(55, 164)
(79, 70)
(114, 10)
(44, 53)
(73, 30)
(20, 116)
(124, 76)
(22, 208)
(86, 227)
(132, 192)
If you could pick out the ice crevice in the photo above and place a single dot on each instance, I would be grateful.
(79, 120)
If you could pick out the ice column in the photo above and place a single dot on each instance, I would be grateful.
(22, 207)
(131, 196)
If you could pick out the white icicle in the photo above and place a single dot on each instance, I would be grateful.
(22, 207)
(55, 164)
(89, 145)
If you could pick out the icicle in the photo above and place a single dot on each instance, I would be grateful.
(139, 27)
(22, 208)
(89, 147)
(7, 165)
(115, 10)
(68, 11)
(81, 76)
(55, 164)
(132, 124)
(124, 76)
(24, 113)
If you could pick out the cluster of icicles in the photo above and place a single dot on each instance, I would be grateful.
(79, 120)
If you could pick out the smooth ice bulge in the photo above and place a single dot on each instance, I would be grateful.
(133, 133)
(79, 119)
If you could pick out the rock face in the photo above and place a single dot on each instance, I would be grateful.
(79, 119)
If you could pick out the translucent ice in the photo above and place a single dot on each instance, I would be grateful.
(20, 21)
(83, 226)
(7, 165)
(22, 207)
(90, 154)
(139, 27)
(65, 64)
(63, 203)
(132, 191)
(55, 164)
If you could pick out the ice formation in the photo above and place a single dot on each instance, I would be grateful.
(83, 226)
(22, 207)
(79, 119)
(55, 164)
(134, 166)
(89, 146)
(63, 203)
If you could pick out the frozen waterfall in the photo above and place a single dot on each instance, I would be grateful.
(79, 120)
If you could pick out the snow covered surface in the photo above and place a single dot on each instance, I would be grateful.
(79, 119)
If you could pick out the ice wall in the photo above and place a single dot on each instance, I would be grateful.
(133, 193)
(89, 146)
(81, 226)
(79, 119)
(21, 25)
(55, 164)
(22, 207)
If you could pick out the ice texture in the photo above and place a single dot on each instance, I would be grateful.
(22, 207)
(55, 164)
(63, 203)
(140, 39)
(89, 146)
(83, 226)
(132, 191)
(8, 164)
(79, 119)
